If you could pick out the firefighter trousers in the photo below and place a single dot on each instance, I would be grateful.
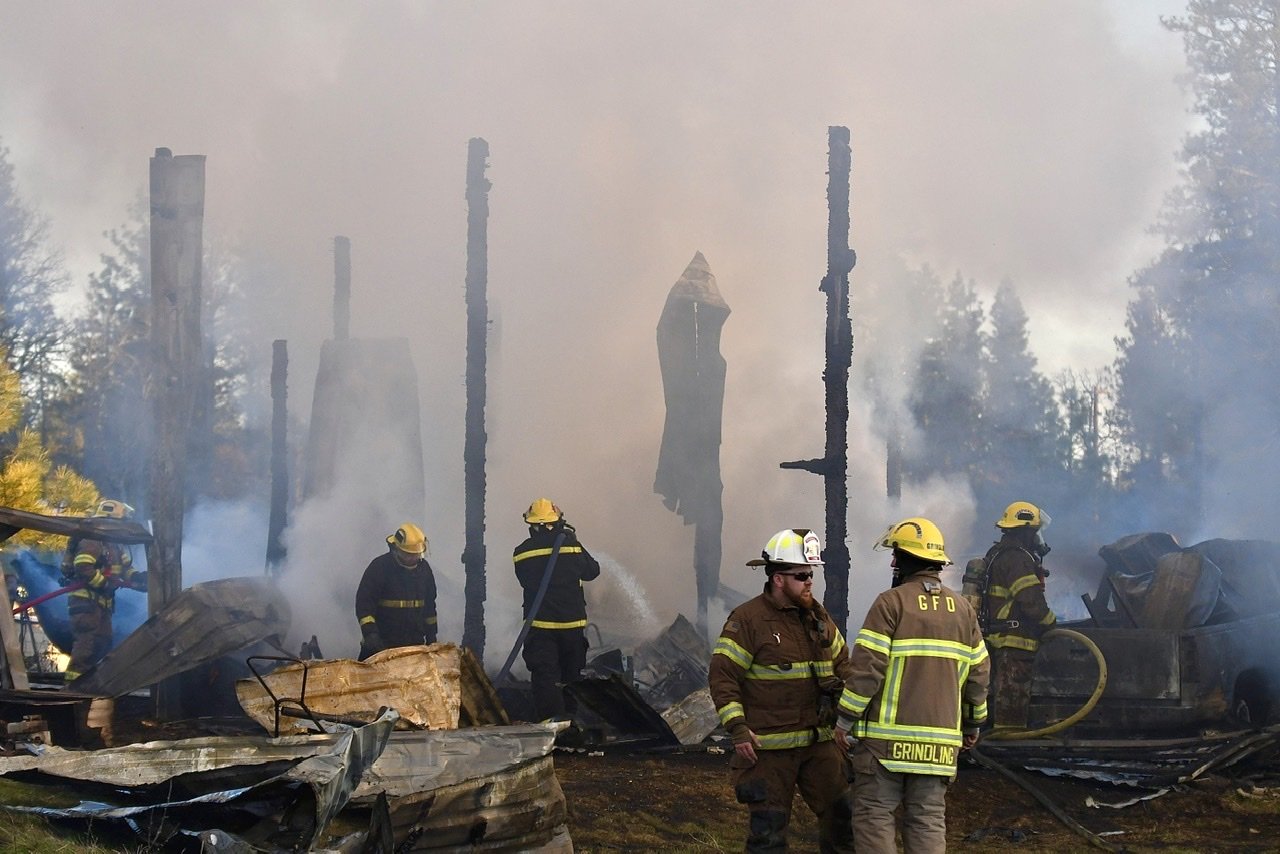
(1011, 684)
(554, 657)
(768, 788)
(90, 633)
(877, 792)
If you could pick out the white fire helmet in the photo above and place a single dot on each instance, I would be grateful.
(792, 546)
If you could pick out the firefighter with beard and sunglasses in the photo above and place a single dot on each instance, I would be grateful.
(916, 696)
(776, 673)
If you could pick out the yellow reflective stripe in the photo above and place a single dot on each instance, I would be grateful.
(565, 550)
(873, 641)
(1013, 642)
(892, 686)
(431, 621)
(796, 670)
(797, 738)
(364, 621)
(1024, 583)
(917, 768)
(733, 651)
(948, 736)
(854, 704)
(1005, 610)
(82, 559)
(547, 624)
(932, 648)
(979, 655)
(823, 668)
(997, 590)
(401, 603)
(729, 711)
(978, 713)
(837, 644)
(1048, 619)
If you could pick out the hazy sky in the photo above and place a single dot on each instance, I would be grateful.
(1000, 138)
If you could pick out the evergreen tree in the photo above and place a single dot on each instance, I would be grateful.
(946, 402)
(105, 412)
(30, 273)
(1023, 424)
(1199, 368)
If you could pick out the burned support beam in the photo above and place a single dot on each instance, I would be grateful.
(693, 372)
(834, 465)
(473, 455)
(177, 224)
(279, 517)
(341, 288)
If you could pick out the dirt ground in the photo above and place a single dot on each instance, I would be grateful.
(681, 802)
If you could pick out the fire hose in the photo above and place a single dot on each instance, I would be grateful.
(1079, 713)
(40, 600)
(533, 609)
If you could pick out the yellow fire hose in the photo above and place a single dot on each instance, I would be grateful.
(1076, 716)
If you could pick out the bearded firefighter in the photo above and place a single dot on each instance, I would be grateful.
(102, 568)
(396, 599)
(1016, 610)
(915, 697)
(775, 674)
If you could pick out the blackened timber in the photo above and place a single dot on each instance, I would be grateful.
(177, 223)
(341, 288)
(693, 374)
(834, 464)
(473, 455)
(278, 518)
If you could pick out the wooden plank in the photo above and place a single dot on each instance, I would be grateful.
(15, 666)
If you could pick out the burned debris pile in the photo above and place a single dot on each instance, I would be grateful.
(1187, 634)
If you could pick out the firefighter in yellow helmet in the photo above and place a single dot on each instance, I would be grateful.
(555, 649)
(102, 568)
(776, 672)
(1015, 609)
(916, 696)
(396, 599)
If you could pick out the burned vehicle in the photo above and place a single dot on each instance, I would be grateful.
(1189, 636)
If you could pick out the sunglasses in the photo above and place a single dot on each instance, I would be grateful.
(798, 576)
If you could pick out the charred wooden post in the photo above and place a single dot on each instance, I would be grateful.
(893, 464)
(473, 455)
(279, 455)
(834, 466)
(177, 223)
(341, 288)
(693, 372)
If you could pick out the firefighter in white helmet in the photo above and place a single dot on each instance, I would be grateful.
(100, 568)
(1016, 610)
(776, 673)
(396, 599)
(915, 697)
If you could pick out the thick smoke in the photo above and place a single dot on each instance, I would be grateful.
(1001, 138)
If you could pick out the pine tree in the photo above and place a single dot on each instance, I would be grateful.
(30, 273)
(1199, 367)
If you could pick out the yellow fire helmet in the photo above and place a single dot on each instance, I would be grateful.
(409, 539)
(794, 546)
(113, 509)
(1023, 514)
(916, 536)
(542, 512)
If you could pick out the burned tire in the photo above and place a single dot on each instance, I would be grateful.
(1251, 701)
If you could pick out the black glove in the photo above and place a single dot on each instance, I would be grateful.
(372, 641)
(138, 580)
